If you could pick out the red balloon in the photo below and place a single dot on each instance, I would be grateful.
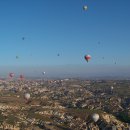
(11, 75)
(87, 57)
(21, 77)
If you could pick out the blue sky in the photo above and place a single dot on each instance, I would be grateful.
(52, 27)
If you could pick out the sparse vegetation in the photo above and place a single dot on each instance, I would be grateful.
(63, 107)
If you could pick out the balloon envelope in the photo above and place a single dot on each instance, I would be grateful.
(87, 57)
(95, 117)
(85, 7)
(43, 73)
(17, 57)
(21, 77)
(27, 96)
(11, 75)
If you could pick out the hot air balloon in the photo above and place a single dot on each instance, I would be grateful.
(43, 73)
(17, 57)
(85, 7)
(21, 77)
(27, 96)
(95, 117)
(23, 38)
(112, 88)
(11, 75)
(99, 42)
(87, 57)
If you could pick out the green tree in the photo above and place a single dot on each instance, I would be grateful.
(22, 126)
(12, 120)
(2, 119)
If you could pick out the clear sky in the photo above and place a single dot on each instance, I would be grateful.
(52, 27)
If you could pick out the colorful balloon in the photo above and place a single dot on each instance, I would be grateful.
(11, 75)
(87, 57)
(21, 77)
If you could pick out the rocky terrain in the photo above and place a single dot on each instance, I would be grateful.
(66, 104)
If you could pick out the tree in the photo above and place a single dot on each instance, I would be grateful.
(2, 118)
(12, 120)
(22, 126)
